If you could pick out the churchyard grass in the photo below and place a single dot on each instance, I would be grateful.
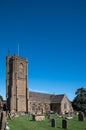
(26, 123)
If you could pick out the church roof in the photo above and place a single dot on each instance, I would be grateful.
(46, 98)
(39, 97)
(56, 98)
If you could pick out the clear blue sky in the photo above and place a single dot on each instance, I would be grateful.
(52, 36)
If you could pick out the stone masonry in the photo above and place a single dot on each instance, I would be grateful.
(19, 99)
(16, 83)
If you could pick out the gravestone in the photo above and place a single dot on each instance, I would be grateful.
(70, 115)
(0, 116)
(38, 117)
(81, 116)
(85, 114)
(49, 118)
(0, 121)
(33, 117)
(64, 124)
(53, 122)
(3, 120)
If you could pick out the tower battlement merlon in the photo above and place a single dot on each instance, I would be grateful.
(18, 57)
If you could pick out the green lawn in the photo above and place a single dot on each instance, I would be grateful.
(25, 123)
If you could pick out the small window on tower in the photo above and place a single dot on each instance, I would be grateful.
(21, 70)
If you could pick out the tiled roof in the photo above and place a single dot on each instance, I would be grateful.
(39, 97)
(56, 98)
(46, 98)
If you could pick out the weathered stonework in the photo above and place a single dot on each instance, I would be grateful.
(19, 99)
(38, 117)
(16, 81)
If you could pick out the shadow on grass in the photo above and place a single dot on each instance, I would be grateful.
(32, 120)
(59, 127)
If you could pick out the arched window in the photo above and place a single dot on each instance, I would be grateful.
(38, 108)
(21, 70)
(65, 105)
(33, 108)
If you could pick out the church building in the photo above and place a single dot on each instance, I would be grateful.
(20, 99)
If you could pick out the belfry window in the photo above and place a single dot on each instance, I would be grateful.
(21, 68)
(21, 71)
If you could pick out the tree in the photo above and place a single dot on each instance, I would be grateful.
(1, 98)
(79, 102)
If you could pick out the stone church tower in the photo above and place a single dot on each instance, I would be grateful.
(17, 84)
(19, 99)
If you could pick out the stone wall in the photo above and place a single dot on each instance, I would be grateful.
(43, 103)
(66, 105)
(39, 108)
